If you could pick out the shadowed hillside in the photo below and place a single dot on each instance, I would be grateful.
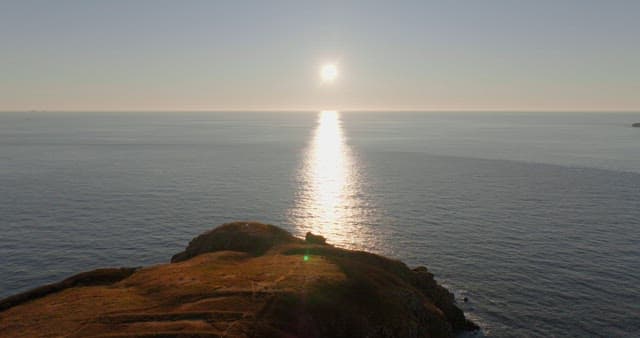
(243, 280)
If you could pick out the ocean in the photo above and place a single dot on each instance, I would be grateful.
(534, 217)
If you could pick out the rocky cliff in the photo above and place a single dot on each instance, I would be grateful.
(243, 280)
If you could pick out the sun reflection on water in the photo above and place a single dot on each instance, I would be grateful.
(328, 201)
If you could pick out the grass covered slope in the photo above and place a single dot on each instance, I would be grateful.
(245, 280)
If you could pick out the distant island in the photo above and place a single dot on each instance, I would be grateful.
(244, 279)
(637, 125)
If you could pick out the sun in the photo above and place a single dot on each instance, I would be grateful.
(328, 72)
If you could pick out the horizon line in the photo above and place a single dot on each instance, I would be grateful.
(271, 110)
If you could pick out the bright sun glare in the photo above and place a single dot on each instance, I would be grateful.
(328, 72)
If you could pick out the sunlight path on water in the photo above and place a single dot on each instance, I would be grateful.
(329, 200)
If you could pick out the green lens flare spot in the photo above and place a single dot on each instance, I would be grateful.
(305, 258)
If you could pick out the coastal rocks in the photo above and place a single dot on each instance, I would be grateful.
(249, 280)
(443, 299)
(637, 125)
(315, 239)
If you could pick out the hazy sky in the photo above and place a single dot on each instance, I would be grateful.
(217, 55)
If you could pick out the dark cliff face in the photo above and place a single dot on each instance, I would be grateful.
(249, 280)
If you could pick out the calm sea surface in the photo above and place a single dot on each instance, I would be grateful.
(535, 217)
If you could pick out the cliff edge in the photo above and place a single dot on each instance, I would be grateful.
(243, 279)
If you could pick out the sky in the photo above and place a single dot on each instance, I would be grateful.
(89, 55)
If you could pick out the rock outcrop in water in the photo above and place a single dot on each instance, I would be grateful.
(243, 280)
(637, 125)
